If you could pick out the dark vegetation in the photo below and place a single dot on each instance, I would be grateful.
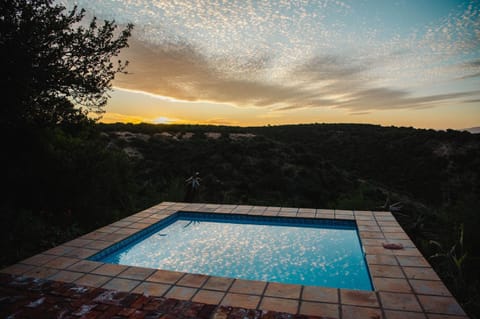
(64, 175)
(58, 178)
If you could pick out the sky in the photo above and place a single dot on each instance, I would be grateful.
(269, 62)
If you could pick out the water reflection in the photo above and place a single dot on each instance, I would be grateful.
(300, 255)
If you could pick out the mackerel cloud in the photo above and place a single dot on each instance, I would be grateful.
(285, 55)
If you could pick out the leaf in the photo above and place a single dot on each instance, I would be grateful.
(438, 255)
(436, 243)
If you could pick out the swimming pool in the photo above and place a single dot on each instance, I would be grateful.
(311, 252)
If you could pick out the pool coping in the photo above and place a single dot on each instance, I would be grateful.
(405, 285)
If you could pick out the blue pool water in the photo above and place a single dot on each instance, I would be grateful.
(287, 250)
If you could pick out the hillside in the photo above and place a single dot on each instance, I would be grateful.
(426, 165)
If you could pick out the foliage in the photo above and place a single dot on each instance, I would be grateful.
(59, 186)
(54, 67)
(452, 263)
(453, 259)
(27, 233)
(60, 177)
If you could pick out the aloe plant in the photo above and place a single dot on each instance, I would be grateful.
(453, 260)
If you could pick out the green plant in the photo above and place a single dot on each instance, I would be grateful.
(452, 261)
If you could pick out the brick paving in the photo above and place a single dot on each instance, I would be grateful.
(405, 285)
(27, 298)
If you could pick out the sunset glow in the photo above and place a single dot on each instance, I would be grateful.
(404, 63)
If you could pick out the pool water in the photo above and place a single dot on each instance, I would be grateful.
(310, 252)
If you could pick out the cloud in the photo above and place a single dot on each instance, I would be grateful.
(472, 101)
(359, 113)
(182, 72)
(220, 121)
(385, 98)
(329, 67)
(470, 76)
(473, 63)
(470, 69)
(284, 55)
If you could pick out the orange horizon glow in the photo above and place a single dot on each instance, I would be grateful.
(137, 107)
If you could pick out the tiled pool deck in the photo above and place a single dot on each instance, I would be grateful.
(405, 286)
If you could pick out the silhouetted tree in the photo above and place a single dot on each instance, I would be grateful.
(55, 67)
(60, 176)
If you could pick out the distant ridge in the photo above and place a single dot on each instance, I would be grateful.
(473, 130)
